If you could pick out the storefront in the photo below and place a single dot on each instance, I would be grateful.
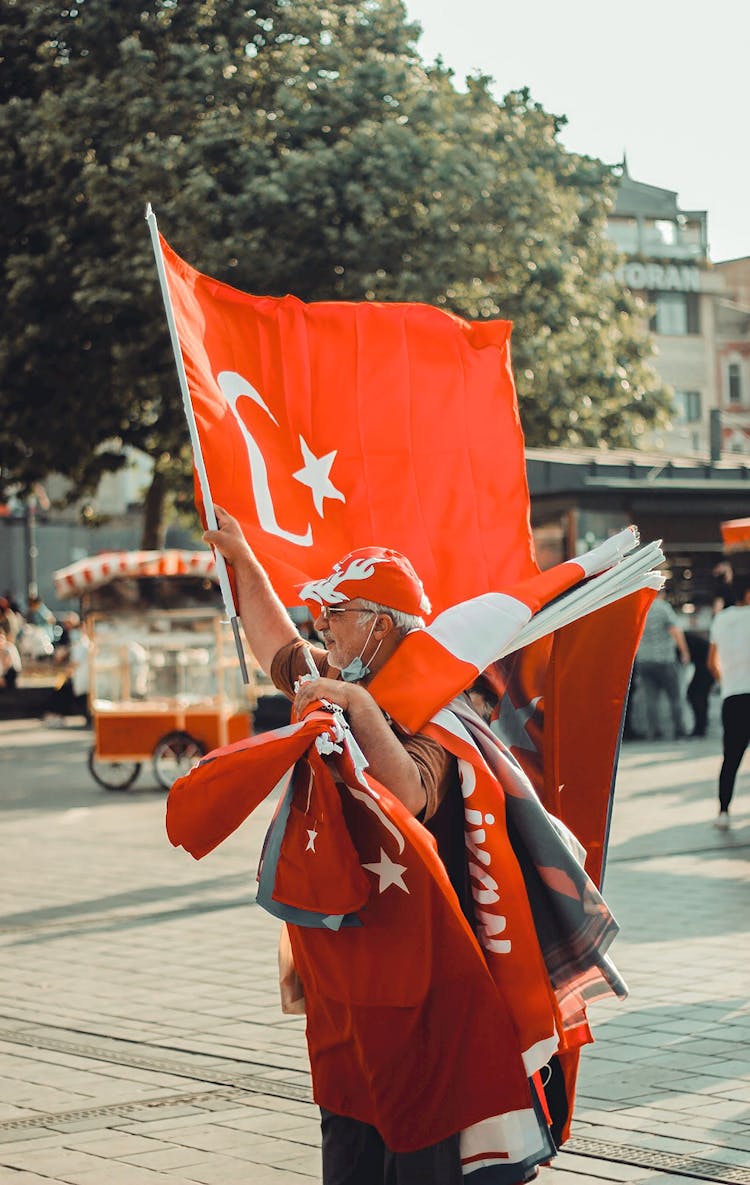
(580, 497)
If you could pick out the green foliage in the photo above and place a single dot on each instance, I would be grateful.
(291, 146)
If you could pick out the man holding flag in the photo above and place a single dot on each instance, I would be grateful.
(382, 601)
(446, 933)
(500, 941)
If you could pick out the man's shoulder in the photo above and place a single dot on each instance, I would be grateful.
(731, 618)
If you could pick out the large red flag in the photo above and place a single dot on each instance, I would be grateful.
(330, 426)
(407, 1028)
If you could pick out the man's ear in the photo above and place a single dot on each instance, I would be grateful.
(383, 626)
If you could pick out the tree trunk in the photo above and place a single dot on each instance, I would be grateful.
(154, 527)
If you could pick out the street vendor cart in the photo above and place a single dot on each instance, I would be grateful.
(165, 684)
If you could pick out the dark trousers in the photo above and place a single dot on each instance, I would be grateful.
(657, 677)
(735, 718)
(64, 702)
(354, 1154)
(697, 697)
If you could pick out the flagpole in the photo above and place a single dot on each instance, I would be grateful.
(200, 467)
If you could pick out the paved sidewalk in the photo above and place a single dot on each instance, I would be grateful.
(141, 1041)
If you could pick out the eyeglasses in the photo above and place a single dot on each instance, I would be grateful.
(326, 612)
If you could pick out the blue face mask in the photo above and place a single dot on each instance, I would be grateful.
(356, 670)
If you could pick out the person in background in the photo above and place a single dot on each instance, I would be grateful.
(701, 682)
(729, 663)
(38, 614)
(10, 620)
(658, 666)
(723, 594)
(10, 661)
(71, 698)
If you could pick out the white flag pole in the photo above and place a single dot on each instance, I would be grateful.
(200, 467)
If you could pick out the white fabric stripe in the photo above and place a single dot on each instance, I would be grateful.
(478, 631)
(630, 575)
(538, 1055)
(450, 722)
(608, 553)
(516, 1133)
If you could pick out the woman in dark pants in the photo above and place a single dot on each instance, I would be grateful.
(701, 682)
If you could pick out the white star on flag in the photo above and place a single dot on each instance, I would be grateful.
(315, 473)
(387, 872)
(311, 837)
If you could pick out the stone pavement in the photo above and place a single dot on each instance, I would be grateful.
(141, 1041)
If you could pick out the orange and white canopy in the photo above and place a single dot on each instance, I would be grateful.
(97, 570)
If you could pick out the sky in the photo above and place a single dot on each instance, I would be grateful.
(665, 81)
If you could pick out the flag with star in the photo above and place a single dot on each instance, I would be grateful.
(329, 426)
(406, 981)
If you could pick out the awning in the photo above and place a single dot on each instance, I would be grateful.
(97, 570)
(735, 533)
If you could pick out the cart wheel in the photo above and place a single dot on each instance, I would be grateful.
(174, 755)
(113, 775)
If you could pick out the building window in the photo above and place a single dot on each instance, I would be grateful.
(687, 406)
(735, 382)
(691, 235)
(665, 230)
(624, 233)
(658, 233)
(676, 313)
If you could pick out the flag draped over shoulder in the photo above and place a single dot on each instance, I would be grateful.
(330, 426)
(557, 704)
(408, 1028)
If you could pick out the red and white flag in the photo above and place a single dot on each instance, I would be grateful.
(330, 426)
(433, 1045)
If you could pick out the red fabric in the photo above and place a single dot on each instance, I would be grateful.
(406, 1028)
(414, 408)
(585, 690)
(735, 534)
(432, 666)
(320, 869)
(376, 574)
(502, 910)
(419, 679)
(216, 796)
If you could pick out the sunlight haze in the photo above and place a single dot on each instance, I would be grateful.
(665, 82)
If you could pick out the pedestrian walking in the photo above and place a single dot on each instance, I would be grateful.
(658, 665)
(71, 697)
(701, 682)
(729, 662)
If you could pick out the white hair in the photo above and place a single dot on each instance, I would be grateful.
(404, 622)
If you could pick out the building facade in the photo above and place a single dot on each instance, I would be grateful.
(579, 497)
(733, 355)
(667, 263)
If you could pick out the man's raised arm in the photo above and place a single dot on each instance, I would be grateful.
(264, 619)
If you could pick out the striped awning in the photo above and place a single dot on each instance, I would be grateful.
(735, 533)
(97, 570)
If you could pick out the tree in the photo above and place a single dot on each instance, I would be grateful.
(288, 146)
